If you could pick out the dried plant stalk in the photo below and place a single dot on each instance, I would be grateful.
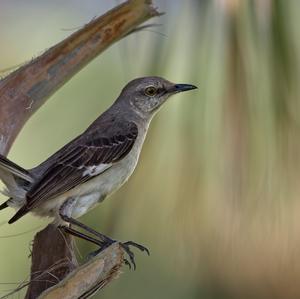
(90, 277)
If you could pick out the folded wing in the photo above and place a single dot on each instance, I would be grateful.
(79, 162)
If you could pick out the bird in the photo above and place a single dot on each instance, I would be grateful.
(92, 166)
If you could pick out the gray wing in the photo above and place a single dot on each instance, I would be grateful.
(78, 163)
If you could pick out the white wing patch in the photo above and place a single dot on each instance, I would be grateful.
(96, 169)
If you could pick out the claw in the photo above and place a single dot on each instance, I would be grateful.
(138, 246)
(129, 253)
(126, 262)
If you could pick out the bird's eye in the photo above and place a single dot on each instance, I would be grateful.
(150, 91)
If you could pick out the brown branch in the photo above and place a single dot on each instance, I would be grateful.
(87, 279)
(26, 89)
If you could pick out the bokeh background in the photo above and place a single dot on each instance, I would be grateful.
(216, 193)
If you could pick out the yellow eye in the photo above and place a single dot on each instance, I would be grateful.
(150, 91)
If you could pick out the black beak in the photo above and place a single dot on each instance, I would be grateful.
(183, 87)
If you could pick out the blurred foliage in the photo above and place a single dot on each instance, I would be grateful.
(215, 195)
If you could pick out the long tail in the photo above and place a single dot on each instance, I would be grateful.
(10, 167)
(13, 177)
(4, 205)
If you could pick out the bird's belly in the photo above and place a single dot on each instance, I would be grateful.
(95, 191)
(108, 181)
(85, 203)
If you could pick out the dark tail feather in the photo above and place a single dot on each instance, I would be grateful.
(15, 169)
(3, 206)
(20, 213)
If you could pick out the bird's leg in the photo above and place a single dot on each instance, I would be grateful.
(65, 212)
(78, 234)
(104, 241)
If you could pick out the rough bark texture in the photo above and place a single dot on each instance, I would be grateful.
(26, 89)
(44, 275)
(90, 277)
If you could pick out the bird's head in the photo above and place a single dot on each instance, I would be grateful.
(146, 95)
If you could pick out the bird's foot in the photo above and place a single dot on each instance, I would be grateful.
(106, 242)
(103, 242)
(126, 248)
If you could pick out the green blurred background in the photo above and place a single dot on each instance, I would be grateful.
(216, 193)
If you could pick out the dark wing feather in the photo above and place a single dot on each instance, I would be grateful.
(70, 168)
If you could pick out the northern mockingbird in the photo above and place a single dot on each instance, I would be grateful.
(92, 166)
